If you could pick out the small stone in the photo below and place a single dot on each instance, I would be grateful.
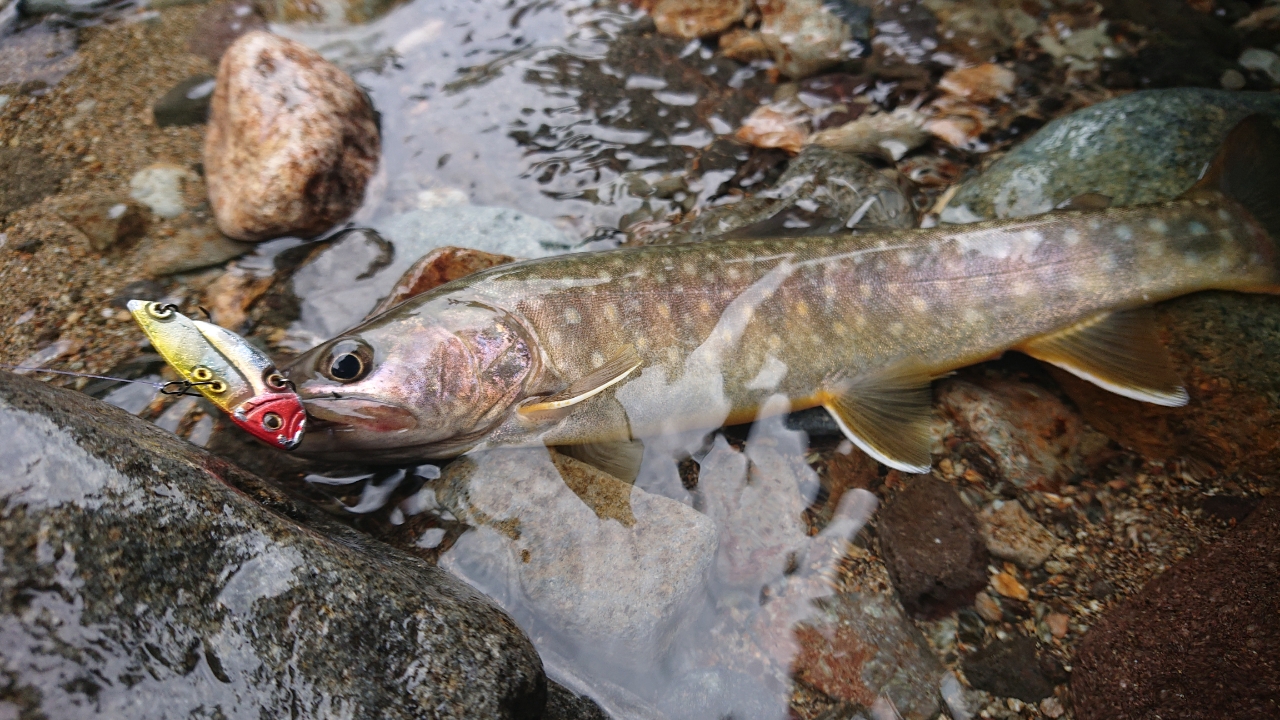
(1262, 60)
(982, 83)
(780, 125)
(229, 298)
(186, 104)
(1052, 708)
(803, 35)
(291, 142)
(1008, 586)
(104, 221)
(890, 135)
(220, 25)
(1009, 668)
(160, 187)
(1232, 80)
(1012, 534)
(743, 45)
(1056, 567)
(697, 18)
(191, 248)
(932, 547)
(1057, 623)
(988, 607)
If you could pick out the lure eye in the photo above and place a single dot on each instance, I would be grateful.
(349, 361)
(272, 421)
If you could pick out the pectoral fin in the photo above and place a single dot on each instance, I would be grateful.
(613, 371)
(620, 458)
(886, 415)
(1120, 352)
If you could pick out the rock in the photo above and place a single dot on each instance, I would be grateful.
(988, 607)
(220, 25)
(697, 18)
(1030, 435)
(803, 35)
(499, 231)
(591, 566)
(1198, 642)
(436, 268)
(186, 104)
(104, 221)
(1140, 148)
(890, 135)
(1057, 623)
(1232, 80)
(1008, 586)
(142, 575)
(1009, 668)
(981, 83)
(189, 249)
(291, 143)
(334, 15)
(1012, 534)
(860, 648)
(932, 547)
(161, 186)
(564, 704)
(822, 191)
(780, 125)
(1263, 61)
(229, 298)
(743, 45)
(28, 177)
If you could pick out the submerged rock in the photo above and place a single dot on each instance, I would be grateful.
(1198, 642)
(143, 577)
(1010, 668)
(697, 18)
(803, 35)
(187, 103)
(191, 248)
(932, 547)
(292, 141)
(104, 221)
(1012, 534)
(1141, 148)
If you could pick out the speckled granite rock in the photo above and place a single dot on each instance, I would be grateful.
(142, 577)
(291, 143)
(1140, 148)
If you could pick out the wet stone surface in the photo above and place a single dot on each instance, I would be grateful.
(138, 566)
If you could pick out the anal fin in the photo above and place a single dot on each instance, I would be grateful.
(1120, 352)
(619, 458)
(613, 371)
(886, 415)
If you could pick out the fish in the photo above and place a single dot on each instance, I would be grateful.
(234, 375)
(594, 352)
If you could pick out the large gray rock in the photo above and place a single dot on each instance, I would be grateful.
(1144, 147)
(141, 577)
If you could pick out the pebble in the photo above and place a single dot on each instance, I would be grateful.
(890, 135)
(187, 103)
(191, 248)
(932, 547)
(1009, 668)
(1057, 623)
(743, 45)
(160, 186)
(1012, 534)
(1008, 586)
(291, 142)
(697, 18)
(780, 125)
(981, 83)
(105, 221)
(1232, 80)
(1263, 61)
(156, 581)
(803, 35)
(1052, 708)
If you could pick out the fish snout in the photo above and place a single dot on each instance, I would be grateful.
(362, 412)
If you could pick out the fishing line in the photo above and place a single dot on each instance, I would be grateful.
(173, 387)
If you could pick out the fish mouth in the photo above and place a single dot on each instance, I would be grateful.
(358, 411)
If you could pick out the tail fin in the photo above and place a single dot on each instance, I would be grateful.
(1247, 170)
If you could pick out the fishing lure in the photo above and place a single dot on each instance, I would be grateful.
(227, 370)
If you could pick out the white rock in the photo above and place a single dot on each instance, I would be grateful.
(159, 187)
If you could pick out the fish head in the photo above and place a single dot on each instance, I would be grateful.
(414, 383)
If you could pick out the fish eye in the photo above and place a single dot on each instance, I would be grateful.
(348, 361)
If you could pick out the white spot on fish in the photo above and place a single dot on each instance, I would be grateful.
(918, 304)
(971, 316)
(664, 310)
(733, 273)
(802, 308)
(597, 359)
(604, 276)
(571, 316)
(840, 329)
(1124, 232)
(896, 329)
(1071, 237)
(864, 290)
(1157, 225)
(689, 269)
(1197, 229)
(1223, 214)
(610, 313)
(774, 341)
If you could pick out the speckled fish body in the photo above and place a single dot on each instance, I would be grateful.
(595, 350)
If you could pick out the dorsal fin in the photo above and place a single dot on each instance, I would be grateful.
(886, 415)
(1247, 170)
(1120, 352)
(611, 372)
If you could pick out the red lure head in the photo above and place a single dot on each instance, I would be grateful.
(275, 418)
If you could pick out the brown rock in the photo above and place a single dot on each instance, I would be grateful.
(1057, 623)
(442, 265)
(743, 45)
(291, 144)
(697, 18)
(1226, 346)
(775, 126)
(333, 14)
(1199, 642)
(190, 249)
(104, 221)
(982, 83)
(1032, 436)
(988, 607)
(932, 547)
(1008, 586)
(803, 36)
(229, 298)
(1012, 534)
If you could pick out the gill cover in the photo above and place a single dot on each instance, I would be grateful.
(228, 371)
